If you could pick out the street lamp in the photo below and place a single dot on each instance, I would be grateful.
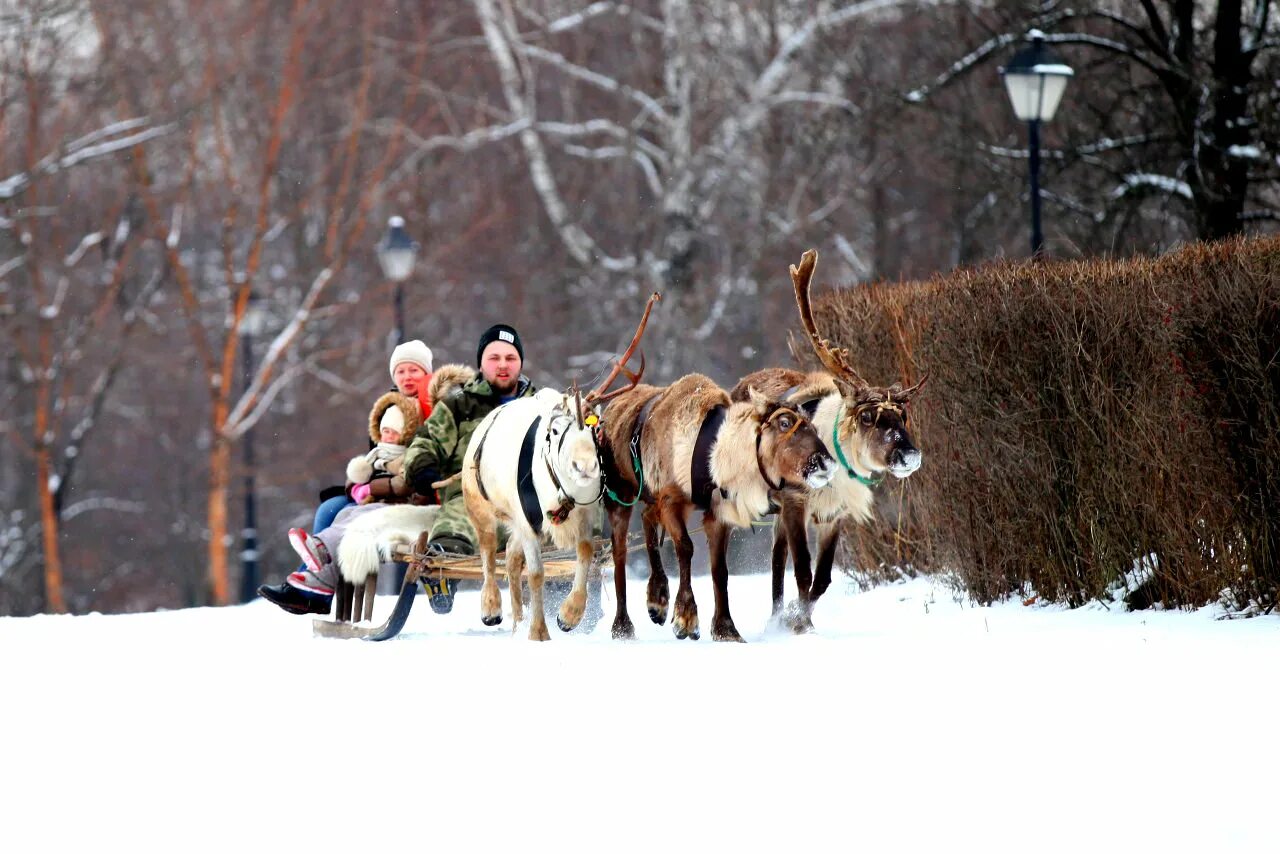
(1035, 80)
(396, 254)
(253, 323)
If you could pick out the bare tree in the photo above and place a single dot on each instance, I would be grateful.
(1179, 118)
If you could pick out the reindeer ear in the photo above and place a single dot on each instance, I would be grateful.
(849, 389)
(907, 393)
(758, 401)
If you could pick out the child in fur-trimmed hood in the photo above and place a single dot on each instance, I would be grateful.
(378, 474)
(373, 479)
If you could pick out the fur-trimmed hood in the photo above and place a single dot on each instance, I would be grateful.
(446, 379)
(408, 408)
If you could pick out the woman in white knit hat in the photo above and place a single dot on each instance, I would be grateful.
(411, 372)
(411, 369)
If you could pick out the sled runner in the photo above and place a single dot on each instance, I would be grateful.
(354, 602)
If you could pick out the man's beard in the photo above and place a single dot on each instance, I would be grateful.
(504, 386)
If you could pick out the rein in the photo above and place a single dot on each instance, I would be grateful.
(786, 436)
(637, 465)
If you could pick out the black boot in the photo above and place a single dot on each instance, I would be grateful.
(296, 601)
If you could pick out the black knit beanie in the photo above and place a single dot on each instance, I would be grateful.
(499, 332)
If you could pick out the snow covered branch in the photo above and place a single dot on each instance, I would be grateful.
(603, 82)
(521, 105)
(85, 148)
(966, 63)
(238, 420)
(1147, 180)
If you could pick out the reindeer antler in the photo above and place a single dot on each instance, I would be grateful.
(834, 359)
(598, 394)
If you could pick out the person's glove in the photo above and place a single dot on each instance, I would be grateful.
(362, 493)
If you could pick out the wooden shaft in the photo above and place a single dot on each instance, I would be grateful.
(370, 589)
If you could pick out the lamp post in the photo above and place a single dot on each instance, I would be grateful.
(396, 254)
(1035, 79)
(253, 323)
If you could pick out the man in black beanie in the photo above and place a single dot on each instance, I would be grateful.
(439, 446)
(500, 357)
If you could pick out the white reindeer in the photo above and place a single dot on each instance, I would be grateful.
(533, 464)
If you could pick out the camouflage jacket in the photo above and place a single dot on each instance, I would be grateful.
(439, 445)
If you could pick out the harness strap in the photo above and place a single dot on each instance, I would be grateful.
(700, 465)
(637, 462)
(475, 461)
(760, 465)
(524, 479)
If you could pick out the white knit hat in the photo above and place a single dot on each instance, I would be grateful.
(411, 351)
(392, 418)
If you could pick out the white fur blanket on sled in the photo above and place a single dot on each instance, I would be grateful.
(368, 541)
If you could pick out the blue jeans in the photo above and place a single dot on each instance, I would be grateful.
(326, 513)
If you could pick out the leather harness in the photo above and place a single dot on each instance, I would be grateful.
(700, 466)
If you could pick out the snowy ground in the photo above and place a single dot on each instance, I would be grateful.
(908, 721)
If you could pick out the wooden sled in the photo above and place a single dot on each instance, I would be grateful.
(352, 603)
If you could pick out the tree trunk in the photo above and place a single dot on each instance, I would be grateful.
(53, 599)
(219, 482)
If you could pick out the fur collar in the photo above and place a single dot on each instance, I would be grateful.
(447, 379)
(408, 408)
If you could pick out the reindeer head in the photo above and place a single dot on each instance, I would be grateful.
(789, 452)
(871, 425)
(571, 444)
(872, 430)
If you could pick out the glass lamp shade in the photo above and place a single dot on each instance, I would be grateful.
(1035, 80)
(397, 252)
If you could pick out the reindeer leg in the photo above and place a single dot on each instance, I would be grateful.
(573, 606)
(619, 521)
(779, 565)
(793, 521)
(486, 525)
(685, 622)
(722, 627)
(659, 592)
(828, 537)
(515, 584)
(538, 622)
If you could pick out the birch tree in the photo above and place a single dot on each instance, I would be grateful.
(668, 122)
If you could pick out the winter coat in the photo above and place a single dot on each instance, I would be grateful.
(388, 483)
(462, 398)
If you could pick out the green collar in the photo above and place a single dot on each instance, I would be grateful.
(835, 440)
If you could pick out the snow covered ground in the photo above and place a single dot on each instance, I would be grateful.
(908, 721)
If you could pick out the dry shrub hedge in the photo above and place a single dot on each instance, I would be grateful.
(1088, 426)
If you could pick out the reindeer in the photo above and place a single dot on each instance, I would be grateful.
(864, 426)
(534, 465)
(687, 445)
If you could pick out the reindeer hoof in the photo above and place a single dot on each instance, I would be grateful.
(623, 630)
(727, 635)
(658, 615)
(796, 618)
(564, 627)
(683, 630)
(491, 621)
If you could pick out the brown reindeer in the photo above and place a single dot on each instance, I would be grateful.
(685, 446)
(863, 426)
